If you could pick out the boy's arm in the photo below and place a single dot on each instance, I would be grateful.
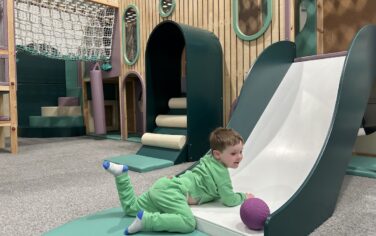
(228, 197)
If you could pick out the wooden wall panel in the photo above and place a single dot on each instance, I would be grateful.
(340, 20)
(214, 16)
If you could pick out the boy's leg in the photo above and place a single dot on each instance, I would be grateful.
(174, 213)
(113, 168)
(130, 203)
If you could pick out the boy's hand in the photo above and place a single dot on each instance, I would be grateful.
(170, 177)
(249, 195)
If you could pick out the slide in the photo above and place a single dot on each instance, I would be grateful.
(298, 142)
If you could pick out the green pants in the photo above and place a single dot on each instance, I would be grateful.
(165, 205)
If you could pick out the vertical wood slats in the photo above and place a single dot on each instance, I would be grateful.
(214, 16)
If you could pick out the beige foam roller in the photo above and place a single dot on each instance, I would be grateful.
(176, 121)
(177, 103)
(163, 140)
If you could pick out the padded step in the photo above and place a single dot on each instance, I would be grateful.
(68, 101)
(176, 121)
(49, 132)
(109, 222)
(362, 166)
(141, 163)
(177, 112)
(56, 121)
(61, 111)
(167, 130)
(4, 118)
(176, 156)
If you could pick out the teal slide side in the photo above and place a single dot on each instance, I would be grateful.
(111, 222)
(315, 201)
(260, 85)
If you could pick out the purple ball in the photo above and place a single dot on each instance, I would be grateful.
(254, 212)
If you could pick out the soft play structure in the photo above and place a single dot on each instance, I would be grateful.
(184, 96)
(48, 97)
(298, 147)
(300, 119)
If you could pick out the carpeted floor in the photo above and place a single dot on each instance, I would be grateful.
(52, 181)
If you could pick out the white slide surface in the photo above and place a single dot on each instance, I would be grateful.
(284, 146)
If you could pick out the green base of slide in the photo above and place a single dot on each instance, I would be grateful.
(141, 163)
(362, 166)
(110, 222)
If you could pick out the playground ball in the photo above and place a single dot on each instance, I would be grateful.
(254, 212)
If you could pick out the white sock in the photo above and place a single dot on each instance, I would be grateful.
(136, 224)
(114, 168)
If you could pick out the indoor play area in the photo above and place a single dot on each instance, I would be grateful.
(143, 83)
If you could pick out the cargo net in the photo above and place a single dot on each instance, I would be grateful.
(64, 29)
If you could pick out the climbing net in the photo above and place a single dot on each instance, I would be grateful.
(64, 29)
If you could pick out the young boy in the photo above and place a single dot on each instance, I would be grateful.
(165, 207)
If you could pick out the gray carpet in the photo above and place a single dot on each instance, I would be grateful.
(52, 181)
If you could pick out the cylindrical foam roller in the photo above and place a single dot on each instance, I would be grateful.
(96, 85)
(177, 103)
(163, 140)
(176, 121)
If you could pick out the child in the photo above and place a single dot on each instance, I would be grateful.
(165, 207)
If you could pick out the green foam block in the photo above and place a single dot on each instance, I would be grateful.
(141, 163)
(362, 166)
(109, 222)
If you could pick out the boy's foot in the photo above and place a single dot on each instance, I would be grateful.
(136, 224)
(114, 168)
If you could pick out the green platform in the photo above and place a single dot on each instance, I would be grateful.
(56, 121)
(49, 132)
(362, 166)
(109, 222)
(141, 163)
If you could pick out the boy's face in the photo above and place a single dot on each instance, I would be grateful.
(231, 156)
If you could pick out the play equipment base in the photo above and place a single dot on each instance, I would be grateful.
(110, 222)
(362, 166)
(141, 163)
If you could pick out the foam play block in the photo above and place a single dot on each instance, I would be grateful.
(61, 111)
(110, 222)
(56, 121)
(4, 118)
(141, 163)
(68, 101)
(362, 166)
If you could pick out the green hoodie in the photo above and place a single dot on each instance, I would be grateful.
(210, 180)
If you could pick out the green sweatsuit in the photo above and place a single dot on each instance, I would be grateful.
(165, 204)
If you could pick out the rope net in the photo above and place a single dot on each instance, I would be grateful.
(64, 29)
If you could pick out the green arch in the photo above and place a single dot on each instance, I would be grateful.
(235, 25)
(203, 71)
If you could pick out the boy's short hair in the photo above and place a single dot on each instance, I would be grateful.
(221, 138)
